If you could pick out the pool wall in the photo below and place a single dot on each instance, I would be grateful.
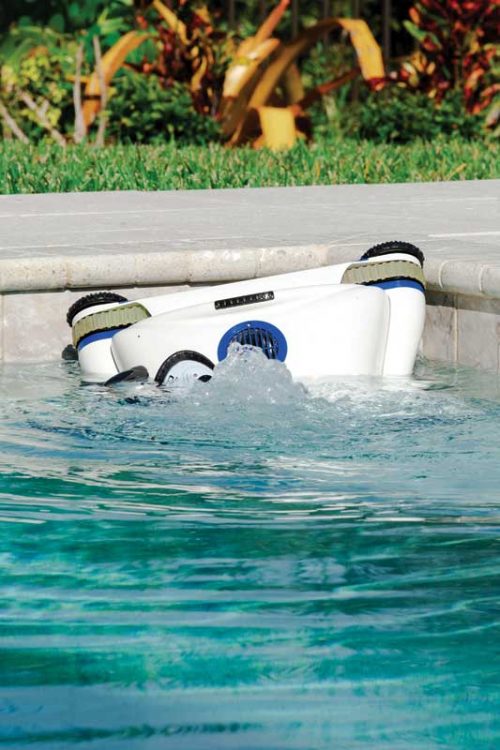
(54, 248)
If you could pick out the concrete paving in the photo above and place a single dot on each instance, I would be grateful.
(91, 240)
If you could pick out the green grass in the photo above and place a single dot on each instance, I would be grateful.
(46, 168)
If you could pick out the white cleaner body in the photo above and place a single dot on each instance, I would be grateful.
(359, 318)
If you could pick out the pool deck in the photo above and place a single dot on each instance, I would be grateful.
(52, 246)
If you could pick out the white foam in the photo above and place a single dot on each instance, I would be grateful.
(248, 376)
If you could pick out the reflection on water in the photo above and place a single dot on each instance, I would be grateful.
(249, 564)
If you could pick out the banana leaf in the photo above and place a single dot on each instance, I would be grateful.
(367, 50)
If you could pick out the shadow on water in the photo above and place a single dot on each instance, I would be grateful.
(249, 563)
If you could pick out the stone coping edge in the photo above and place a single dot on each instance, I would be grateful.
(42, 274)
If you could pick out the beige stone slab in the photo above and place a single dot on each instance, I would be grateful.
(462, 277)
(440, 333)
(478, 333)
(189, 266)
(208, 267)
(110, 270)
(1, 325)
(26, 274)
(275, 260)
(161, 268)
(34, 325)
(432, 271)
(490, 280)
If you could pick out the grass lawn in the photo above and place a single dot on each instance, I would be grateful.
(47, 168)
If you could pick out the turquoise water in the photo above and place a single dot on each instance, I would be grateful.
(249, 565)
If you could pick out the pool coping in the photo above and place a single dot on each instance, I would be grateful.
(467, 277)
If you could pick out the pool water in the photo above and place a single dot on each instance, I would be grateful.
(249, 564)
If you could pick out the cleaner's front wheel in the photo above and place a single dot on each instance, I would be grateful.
(184, 367)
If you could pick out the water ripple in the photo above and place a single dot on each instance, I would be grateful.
(250, 563)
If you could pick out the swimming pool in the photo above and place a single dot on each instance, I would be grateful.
(249, 565)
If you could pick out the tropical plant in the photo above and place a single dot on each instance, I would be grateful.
(265, 74)
(254, 90)
(258, 95)
(456, 50)
(398, 115)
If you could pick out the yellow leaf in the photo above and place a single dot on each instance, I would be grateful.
(174, 23)
(243, 68)
(264, 32)
(278, 128)
(197, 77)
(367, 50)
(203, 13)
(273, 19)
(292, 84)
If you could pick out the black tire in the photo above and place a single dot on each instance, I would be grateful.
(69, 353)
(96, 298)
(394, 246)
(182, 356)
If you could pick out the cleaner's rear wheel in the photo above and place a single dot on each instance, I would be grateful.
(91, 300)
(394, 246)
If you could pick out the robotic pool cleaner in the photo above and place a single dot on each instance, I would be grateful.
(360, 318)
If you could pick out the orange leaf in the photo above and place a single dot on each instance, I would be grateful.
(174, 23)
(367, 50)
(273, 19)
(278, 127)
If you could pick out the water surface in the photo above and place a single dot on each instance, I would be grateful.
(249, 565)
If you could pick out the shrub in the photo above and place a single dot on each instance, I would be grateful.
(399, 116)
(38, 62)
(142, 111)
(456, 50)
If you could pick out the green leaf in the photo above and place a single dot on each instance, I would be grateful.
(57, 22)
(416, 33)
